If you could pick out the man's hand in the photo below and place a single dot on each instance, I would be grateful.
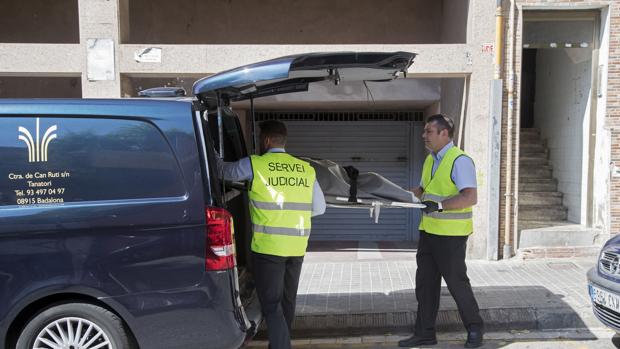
(417, 191)
(431, 206)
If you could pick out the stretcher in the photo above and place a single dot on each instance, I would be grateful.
(346, 187)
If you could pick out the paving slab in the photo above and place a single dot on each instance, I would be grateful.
(369, 289)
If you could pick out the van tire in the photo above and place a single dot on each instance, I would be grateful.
(104, 321)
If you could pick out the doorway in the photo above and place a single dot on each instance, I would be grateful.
(556, 109)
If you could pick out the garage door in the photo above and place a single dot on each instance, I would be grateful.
(378, 146)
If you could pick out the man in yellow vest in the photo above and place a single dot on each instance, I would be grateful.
(448, 189)
(284, 195)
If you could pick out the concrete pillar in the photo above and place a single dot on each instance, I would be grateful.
(481, 31)
(99, 19)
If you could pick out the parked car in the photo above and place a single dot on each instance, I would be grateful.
(115, 228)
(604, 284)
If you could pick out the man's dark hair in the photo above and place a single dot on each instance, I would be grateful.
(274, 129)
(443, 123)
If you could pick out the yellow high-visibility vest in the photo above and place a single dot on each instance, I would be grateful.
(281, 204)
(439, 187)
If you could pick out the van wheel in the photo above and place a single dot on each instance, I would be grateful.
(74, 326)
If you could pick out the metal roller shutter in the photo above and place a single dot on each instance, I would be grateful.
(378, 146)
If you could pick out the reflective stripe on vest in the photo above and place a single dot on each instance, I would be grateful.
(281, 204)
(279, 231)
(449, 215)
(440, 187)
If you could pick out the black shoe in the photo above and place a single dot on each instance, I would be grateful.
(474, 339)
(415, 341)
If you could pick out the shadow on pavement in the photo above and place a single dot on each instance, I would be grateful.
(502, 308)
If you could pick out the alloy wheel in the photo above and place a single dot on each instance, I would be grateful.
(72, 333)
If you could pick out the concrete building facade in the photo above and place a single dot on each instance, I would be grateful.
(114, 48)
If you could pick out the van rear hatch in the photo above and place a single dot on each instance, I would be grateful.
(294, 73)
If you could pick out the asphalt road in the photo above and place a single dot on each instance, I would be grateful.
(497, 344)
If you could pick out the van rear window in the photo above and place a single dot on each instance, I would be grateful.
(51, 160)
(234, 144)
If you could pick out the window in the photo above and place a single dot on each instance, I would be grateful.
(51, 160)
(234, 144)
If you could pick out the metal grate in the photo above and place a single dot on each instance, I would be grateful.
(609, 262)
(341, 116)
(607, 316)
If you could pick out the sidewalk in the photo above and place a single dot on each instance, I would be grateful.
(368, 288)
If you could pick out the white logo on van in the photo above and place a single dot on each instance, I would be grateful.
(37, 150)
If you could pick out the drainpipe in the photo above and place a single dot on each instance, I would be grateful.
(495, 138)
(509, 194)
(499, 39)
(515, 217)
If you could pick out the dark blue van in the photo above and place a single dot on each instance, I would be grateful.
(115, 228)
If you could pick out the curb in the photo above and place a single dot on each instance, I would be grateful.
(380, 323)
(366, 341)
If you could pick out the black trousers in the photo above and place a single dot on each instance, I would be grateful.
(437, 257)
(276, 280)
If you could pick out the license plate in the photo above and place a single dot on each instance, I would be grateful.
(605, 299)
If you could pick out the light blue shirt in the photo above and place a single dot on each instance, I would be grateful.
(464, 171)
(242, 171)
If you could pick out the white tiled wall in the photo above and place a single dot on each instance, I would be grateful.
(563, 80)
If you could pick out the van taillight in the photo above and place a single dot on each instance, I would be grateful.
(220, 239)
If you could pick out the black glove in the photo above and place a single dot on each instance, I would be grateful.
(431, 206)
